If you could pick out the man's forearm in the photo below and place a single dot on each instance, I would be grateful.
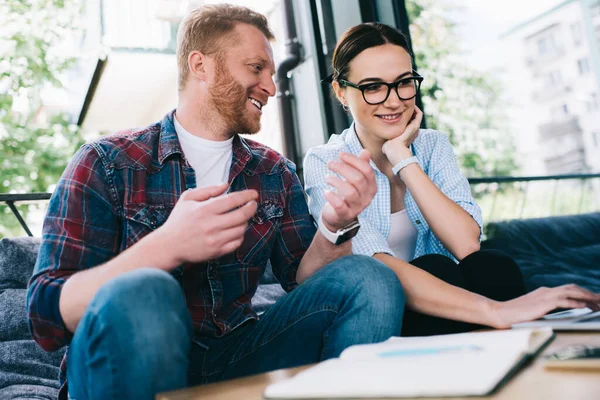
(320, 253)
(80, 288)
(429, 295)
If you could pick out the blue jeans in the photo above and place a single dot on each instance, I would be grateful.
(135, 338)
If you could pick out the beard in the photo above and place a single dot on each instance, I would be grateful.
(229, 98)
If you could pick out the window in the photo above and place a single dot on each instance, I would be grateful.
(576, 32)
(558, 113)
(542, 45)
(592, 104)
(595, 8)
(553, 78)
(583, 66)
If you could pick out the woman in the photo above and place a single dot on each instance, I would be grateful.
(423, 212)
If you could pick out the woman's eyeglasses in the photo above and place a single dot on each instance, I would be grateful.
(378, 92)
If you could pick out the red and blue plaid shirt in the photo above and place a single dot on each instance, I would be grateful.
(121, 187)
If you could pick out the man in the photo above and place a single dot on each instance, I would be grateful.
(149, 262)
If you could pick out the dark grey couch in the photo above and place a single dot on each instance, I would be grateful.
(26, 371)
(550, 252)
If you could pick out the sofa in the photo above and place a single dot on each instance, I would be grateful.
(550, 252)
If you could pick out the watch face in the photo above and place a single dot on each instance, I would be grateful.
(349, 234)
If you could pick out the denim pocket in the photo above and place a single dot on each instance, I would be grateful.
(255, 249)
(140, 220)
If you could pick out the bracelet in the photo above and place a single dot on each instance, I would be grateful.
(404, 163)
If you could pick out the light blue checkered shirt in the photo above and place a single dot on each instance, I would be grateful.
(436, 158)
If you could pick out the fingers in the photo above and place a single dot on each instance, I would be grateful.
(343, 189)
(351, 174)
(231, 246)
(233, 234)
(570, 303)
(205, 193)
(418, 114)
(418, 117)
(237, 217)
(364, 155)
(578, 293)
(339, 205)
(361, 163)
(231, 201)
(412, 129)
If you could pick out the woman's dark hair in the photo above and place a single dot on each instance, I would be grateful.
(362, 37)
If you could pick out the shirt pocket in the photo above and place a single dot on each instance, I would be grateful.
(258, 239)
(140, 220)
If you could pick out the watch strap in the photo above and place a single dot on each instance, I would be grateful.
(404, 163)
(341, 235)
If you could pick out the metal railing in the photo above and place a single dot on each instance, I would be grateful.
(11, 199)
(498, 184)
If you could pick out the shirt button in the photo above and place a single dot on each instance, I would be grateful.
(418, 222)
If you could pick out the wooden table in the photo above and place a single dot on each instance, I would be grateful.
(533, 382)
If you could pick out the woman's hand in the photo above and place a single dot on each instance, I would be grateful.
(397, 149)
(541, 301)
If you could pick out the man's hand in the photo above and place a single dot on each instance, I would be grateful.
(200, 230)
(397, 149)
(352, 194)
(541, 301)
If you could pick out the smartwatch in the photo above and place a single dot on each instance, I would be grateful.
(341, 235)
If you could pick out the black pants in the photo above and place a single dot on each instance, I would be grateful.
(489, 273)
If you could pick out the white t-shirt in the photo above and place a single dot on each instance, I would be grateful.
(210, 159)
(403, 236)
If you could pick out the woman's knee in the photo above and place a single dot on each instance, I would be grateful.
(494, 274)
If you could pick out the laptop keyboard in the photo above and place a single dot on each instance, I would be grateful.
(594, 317)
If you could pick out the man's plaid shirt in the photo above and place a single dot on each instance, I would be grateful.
(121, 187)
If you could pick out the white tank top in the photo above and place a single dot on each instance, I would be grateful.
(403, 236)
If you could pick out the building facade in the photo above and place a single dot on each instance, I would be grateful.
(556, 69)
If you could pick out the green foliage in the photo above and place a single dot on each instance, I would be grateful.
(465, 103)
(35, 143)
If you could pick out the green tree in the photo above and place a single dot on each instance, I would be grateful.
(464, 103)
(35, 144)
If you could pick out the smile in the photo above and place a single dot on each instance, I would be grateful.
(256, 103)
(389, 117)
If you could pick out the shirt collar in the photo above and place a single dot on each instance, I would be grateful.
(169, 145)
(352, 140)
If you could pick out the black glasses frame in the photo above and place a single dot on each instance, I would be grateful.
(394, 85)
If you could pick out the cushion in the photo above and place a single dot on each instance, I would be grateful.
(17, 259)
(23, 363)
(28, 392)
(13, 315)
(552, 251)
(26, 371)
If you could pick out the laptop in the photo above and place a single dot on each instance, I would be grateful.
(576, 319)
